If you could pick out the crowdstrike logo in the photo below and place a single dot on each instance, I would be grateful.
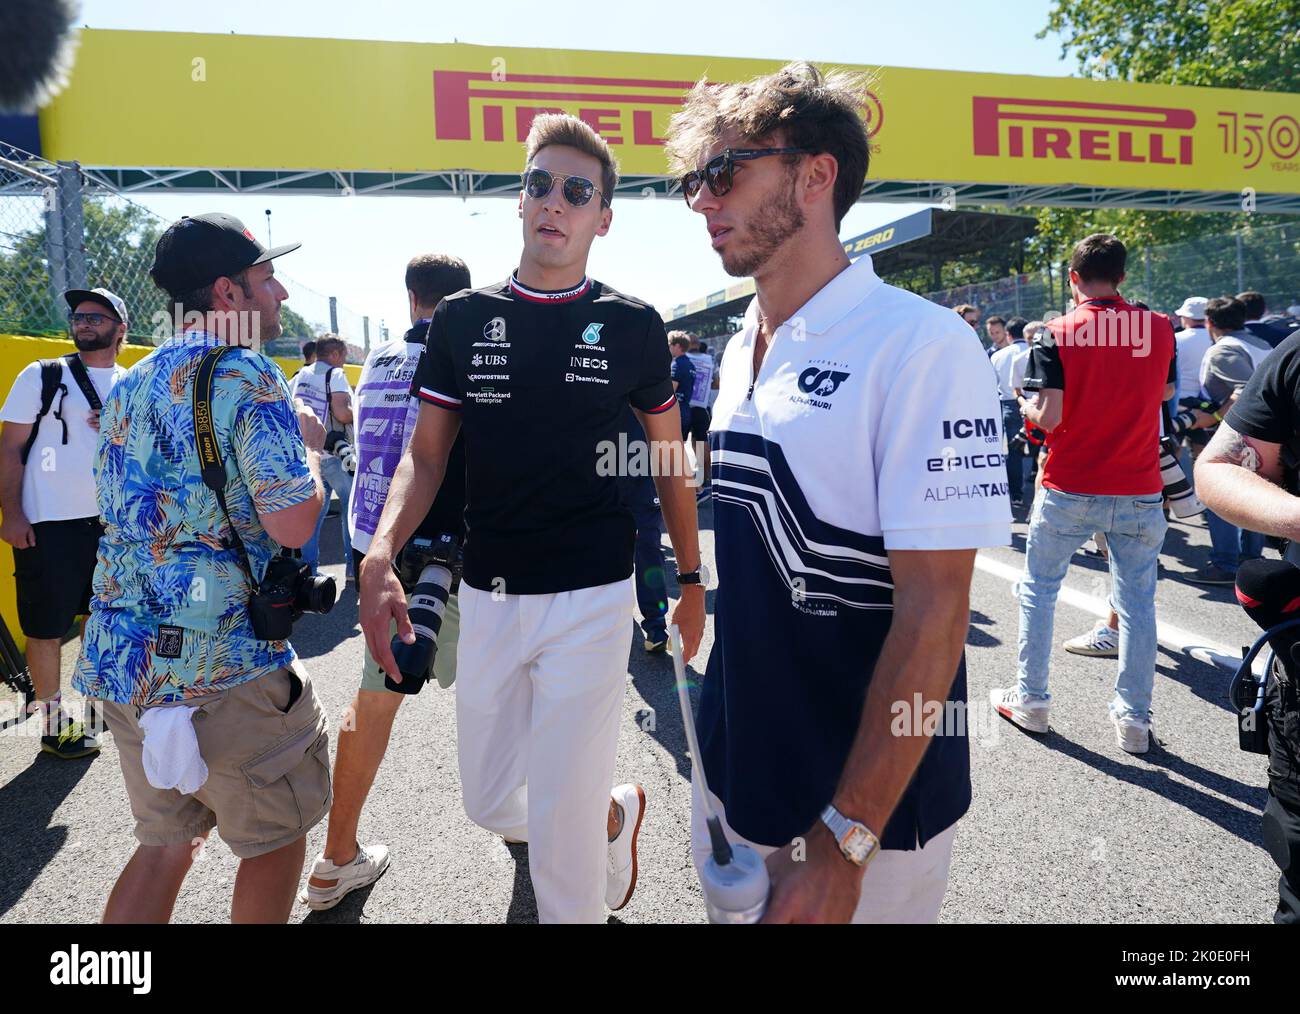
(1089, 131)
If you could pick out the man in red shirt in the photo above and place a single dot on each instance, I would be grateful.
(1100, 374)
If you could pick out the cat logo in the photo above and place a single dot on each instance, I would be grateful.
(495, 329)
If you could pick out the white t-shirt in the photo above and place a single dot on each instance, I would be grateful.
(1193, 343)
(309, 385)
(1003, 361)
(59, 480)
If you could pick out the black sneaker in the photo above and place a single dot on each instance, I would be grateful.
(1212, 575)
(71, 743)
(656, 643)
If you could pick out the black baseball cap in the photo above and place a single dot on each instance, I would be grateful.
(198, 250)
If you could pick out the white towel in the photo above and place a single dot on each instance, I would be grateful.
(171, 750)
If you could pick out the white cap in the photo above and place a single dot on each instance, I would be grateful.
(1193, 307)
(1293, 310)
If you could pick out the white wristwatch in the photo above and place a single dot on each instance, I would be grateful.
(855, 839)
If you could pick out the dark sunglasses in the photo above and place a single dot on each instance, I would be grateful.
(719, 172)
(93, 319)
(577, 190)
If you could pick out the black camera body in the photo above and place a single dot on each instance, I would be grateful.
(1026, 439)
(288, 589)
(420, 552)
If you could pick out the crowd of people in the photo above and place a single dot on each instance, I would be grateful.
(490, 550)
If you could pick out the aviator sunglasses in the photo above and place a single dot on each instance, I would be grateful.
(577, 190)
(719, 172)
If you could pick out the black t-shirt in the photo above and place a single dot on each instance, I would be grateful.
(541, 380)
(1268, 407)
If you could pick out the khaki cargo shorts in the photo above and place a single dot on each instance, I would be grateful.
(268, 768)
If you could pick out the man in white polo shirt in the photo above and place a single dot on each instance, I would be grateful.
(847, 512)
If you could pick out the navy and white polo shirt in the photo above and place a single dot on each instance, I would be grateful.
(873, 425)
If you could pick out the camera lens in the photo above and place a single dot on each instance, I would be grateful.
(316, 595)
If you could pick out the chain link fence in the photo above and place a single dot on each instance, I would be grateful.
(1265, 260)
(61, 229)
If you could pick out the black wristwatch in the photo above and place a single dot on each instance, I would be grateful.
(698, 576)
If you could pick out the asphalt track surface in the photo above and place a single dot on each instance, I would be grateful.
(1063, 828)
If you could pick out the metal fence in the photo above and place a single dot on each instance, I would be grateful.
(60, 229)
(1266, 260)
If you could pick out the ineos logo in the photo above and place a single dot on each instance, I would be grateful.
(822, 383)
(495, 329)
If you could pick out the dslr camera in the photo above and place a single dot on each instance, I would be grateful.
(288, 590)
(429, 570)
(336, 443)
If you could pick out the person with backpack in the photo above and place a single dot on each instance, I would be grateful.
(47, 495)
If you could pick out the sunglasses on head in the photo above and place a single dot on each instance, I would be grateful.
(577, 190)
(719, 172)
(93, 319)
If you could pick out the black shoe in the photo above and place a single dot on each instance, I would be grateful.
(71, 743)
(656, 643)
(1211, 574)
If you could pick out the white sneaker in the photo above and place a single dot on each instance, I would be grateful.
(620, 874)
(1031, 715)
(1133, 734)
(1100, 642)
(365, 869)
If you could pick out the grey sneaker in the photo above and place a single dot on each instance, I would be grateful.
(1100, 642)
(1211, 574)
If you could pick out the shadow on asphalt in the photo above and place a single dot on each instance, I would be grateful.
(1244, 823)
(978, 638)
(523, 903)
(316, 634)
(27, 803)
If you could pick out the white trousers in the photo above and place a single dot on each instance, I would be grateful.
(539, 696)
(899, 886)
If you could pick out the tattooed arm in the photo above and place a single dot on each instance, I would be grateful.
(1239, 478)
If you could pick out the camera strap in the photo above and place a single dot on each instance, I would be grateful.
(211, 466)
(78, 370)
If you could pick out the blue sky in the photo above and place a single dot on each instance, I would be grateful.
(356, 248)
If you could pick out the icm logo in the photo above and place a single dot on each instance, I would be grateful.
(592, 334)
(495, 329)
(961, 429)
(821, 383)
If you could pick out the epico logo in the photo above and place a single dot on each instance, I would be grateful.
(822, 383)
(592, 334)
(495, 329)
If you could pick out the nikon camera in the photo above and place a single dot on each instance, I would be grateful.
(288, 590)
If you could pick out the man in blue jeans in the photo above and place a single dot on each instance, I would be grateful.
(324, 388)
(1100, 374)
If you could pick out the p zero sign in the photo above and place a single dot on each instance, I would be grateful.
(345, 105)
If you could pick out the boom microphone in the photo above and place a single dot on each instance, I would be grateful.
(1269, 591)
(37, 41)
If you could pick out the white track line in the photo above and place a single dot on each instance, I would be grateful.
(1173, 638)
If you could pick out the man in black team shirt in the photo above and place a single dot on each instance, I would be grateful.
(538, 370)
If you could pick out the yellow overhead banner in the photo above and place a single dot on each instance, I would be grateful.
(158, 100)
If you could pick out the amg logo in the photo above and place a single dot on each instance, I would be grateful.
(1093, 131)
(963, 428)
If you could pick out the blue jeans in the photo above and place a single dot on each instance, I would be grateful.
(651, 586)
(1230, 545)
(1012, 421)
(1135, 530)
(335, 479)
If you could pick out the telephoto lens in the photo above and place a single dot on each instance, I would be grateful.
(426, 608)
(1179, 495)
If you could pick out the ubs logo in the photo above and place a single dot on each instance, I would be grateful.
(821, 383)
(495, 329)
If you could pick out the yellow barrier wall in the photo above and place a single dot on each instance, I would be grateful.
(16, 352)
